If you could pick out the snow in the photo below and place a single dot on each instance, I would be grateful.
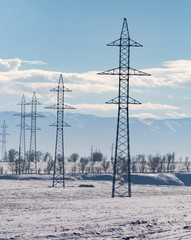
(31, 209)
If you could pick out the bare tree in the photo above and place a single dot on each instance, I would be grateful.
(153, 162)
(74, 168)
(12, 167)
(12, 155)
(73, 157)
(82, 164)
(133, 165)
(5, 157)
(98, 169)
(39, 156)
(47, 157)
(170, 162)
(187, 164)
(92, 167)
(161, 166)
(105, 165)
(97, 157)
(142, 162)
(50, 166)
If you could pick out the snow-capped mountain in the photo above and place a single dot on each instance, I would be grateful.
(87, 131)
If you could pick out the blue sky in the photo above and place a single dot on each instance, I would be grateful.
(42, 38)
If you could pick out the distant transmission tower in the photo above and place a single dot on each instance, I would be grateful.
(34, 115)
(22, 126)
(122, 184)
(58, 172)
(4, 141)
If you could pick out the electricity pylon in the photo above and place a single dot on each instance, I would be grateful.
(33, 128)
(22, 126)
(4, 140)
(121, 169)
(59, 170)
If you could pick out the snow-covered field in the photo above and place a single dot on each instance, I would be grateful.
(32, 209)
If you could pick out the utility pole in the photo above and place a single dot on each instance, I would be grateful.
(33, 128)
(121, 169)
(59, 170)
(4, 141)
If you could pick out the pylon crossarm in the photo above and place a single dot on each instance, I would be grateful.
(133, 101)
(22, 114)
(34, 129)
(131, 71)
(68, 107)
(36, 115)
(33, 102)
(64, 124)
(115, 43)
(60, 106)
(62, 88)
(137, 72)
(135, 44)
(39, 115)
(114, 71)
(113, 101)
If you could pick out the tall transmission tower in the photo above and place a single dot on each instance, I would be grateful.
(121, 171)
(4, 140)
(59, 170)
(33, 128)
(22, 126)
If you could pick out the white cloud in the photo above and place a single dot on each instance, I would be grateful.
(140, 90)
(9, 64)
(34, 62)
(111, 107)
(14, 64)
(173, 73)
(144, 115)
(16, 81)
(177, 115)
(186, 97)
(101, 107)
(152, 106)
(170, 96)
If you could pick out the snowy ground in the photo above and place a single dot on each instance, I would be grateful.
(32, 209)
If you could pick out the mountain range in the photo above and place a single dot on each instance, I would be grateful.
(147, 136)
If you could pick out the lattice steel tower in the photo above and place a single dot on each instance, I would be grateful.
(22, 126)
(58, 171)
(122, 164)
(33, 128)
(4, 140)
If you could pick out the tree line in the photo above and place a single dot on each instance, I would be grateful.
(98, 163)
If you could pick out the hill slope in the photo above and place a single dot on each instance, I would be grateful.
(146, 135)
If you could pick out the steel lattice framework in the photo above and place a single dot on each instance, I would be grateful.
(58, 171)
(121, 170)
(22, 125)
(33, 128)
(4, 140)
